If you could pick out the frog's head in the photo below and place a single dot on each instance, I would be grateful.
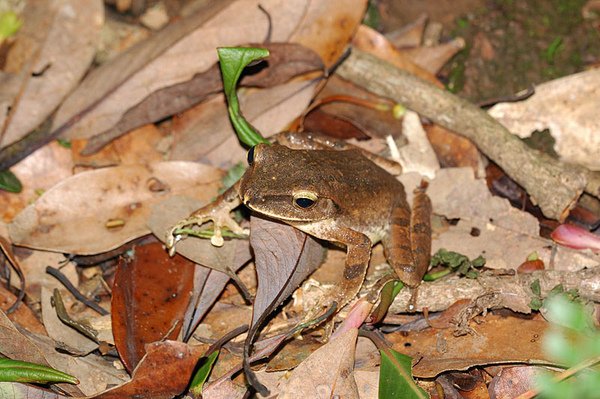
(287, 185)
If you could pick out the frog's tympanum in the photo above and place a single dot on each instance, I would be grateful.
(335, 192)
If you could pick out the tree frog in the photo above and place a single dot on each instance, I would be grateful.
(335, 192)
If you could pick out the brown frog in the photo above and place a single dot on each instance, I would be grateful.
(335, 192)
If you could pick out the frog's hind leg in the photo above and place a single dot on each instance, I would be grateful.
(408, 246)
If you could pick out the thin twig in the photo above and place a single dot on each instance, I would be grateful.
(71, 288)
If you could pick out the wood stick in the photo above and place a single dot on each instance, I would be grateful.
(552, 185)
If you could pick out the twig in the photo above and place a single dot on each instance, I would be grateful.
(562, 376)
(554, 186)
(6, 248)
(65, 281)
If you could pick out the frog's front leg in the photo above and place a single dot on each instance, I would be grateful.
(358, 253)
(217, 211)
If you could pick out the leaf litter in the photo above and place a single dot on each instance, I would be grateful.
(76, 214)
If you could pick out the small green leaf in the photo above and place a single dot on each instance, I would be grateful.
(9, 182)
(204, 369)
(233, 60)
(395, 377)
(536, 303)
(10, 23)
(18, 371)
(65, 143)
(536, 288)
(233, 175)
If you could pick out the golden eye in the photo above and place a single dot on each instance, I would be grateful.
(305, 200)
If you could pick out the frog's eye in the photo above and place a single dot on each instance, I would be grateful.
(305, 200)
(250, 156)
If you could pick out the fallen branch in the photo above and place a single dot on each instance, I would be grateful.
(552, 185)
(514, 291)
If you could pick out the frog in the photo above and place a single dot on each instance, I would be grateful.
(335, 192)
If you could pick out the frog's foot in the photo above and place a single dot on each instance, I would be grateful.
(219, 219)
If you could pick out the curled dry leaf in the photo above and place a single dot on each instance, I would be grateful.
(51, 53)
(163, 373)
(284, 257)
(99, 210)
(327, 372)
(490, 225)
(569, 108)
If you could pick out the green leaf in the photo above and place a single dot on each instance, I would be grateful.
(18, 371)
(204, 369)
(9, 182)
(395, 377)
(10, 23)
(233, 60)
(233, 175)
(536, 288)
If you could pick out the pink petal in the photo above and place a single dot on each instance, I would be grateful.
(576, 237)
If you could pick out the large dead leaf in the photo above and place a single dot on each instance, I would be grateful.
(74, 216)
(53, 50)
(327, 372)
(496, 340)
(286, 60)
(569, 108)
(284, 257)
(150, 295)
(176, 54)
(164, 372)
(490, 225)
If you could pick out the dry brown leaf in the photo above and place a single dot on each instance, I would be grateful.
(514, 381)
(74, 216)
(220, 263)
(433, 58)
(368, 121)
(17, 390)
(173, 56)
(285, 61)
(95, 373)
(207, 134)
(490, 225)
(410, 35)
(52, 52)
(569, 108)
(38, 172)
(164, 372)
(284, 257)
(371, 41)
(71, 340)
(496, 340)
(327, 372)
(149, 297)
(17, 346)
